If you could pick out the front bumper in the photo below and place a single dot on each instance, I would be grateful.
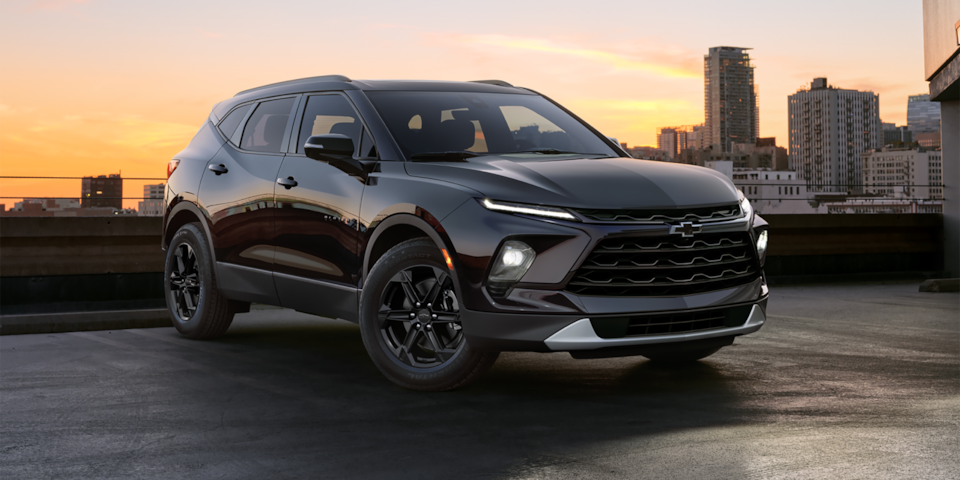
(580, 335)
(572, 333)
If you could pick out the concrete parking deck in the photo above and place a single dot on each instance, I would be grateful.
(843, 382)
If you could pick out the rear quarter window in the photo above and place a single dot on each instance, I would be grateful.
(229, 124)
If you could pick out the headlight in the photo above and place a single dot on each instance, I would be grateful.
(526, 209)
(745, 206)
(513, 261)
(762, 244)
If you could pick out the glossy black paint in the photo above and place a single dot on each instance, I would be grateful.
(572, 181)
(316, 229)
(294, 231)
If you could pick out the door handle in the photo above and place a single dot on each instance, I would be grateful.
(287, 183)
(218, 169)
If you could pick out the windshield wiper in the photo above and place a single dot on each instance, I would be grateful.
(454, 156)
(554, 151)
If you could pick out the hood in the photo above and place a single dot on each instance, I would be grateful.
(614, 183)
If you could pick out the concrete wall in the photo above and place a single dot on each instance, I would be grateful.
(939, 33)
(43, 246)
(51, 265)
(857, 247)
(950, 122)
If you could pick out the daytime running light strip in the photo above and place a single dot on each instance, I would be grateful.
(527, 210)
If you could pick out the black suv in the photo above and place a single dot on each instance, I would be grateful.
(452, 221)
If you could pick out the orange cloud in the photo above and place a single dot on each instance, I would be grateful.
(618, 61)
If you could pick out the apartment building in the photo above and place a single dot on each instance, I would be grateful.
(829, 128)
(903, 173)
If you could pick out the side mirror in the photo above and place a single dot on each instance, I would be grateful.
(337, 151)
(321, 147)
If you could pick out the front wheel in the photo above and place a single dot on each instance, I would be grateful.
(410, 321)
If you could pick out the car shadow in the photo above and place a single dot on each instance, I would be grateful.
(528, 412)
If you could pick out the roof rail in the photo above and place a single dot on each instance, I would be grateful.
(322, 78)
(499, 83)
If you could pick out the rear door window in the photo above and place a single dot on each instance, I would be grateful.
(325, 114)
(264, 131)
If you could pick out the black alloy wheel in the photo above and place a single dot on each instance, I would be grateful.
(410, 321)
(197, 308)
(186, 282)
(420, 317)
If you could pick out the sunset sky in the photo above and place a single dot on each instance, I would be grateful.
(91, 87)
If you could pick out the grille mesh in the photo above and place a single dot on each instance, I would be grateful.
(661, 215)
(667, 323)
(666, 266)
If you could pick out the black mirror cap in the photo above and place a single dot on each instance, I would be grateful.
(322, 147)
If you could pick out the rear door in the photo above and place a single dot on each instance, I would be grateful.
(237, 193)
(317, 262)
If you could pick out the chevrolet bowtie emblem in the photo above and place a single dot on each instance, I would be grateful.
(686, 229)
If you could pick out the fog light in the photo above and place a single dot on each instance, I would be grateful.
(762, 243)
(513, 262)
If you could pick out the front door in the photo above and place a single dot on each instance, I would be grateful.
(317, 262)
(236, 191)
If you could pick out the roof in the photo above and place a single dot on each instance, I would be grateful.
(341, 82)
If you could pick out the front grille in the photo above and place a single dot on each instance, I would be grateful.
(666, 266)
(662, 215)
(667, 323)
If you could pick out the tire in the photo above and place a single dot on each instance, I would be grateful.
(687, 356)
(197, 308)
(427, 351)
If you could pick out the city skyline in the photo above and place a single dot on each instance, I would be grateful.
(98, 86)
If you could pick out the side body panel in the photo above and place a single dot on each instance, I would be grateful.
(240, 208)
(317, 262)
(184, 184)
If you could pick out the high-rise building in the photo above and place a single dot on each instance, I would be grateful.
(923, 116)
(829, 128)
(152, 204)
(102, 191)
(730, 98)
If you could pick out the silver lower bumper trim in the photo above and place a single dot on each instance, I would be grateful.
(580, 335)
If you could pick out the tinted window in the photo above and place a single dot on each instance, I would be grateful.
(423, 122)
(264, 130)
(229, 125)
(329, 114)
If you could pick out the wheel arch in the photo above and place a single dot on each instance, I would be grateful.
(182, 214)
(401, 227)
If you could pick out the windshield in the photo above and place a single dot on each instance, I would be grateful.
(441, 122)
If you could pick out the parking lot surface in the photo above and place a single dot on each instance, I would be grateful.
(844, 381)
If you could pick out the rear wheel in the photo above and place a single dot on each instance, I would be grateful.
(410, 321)
(196, 306)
